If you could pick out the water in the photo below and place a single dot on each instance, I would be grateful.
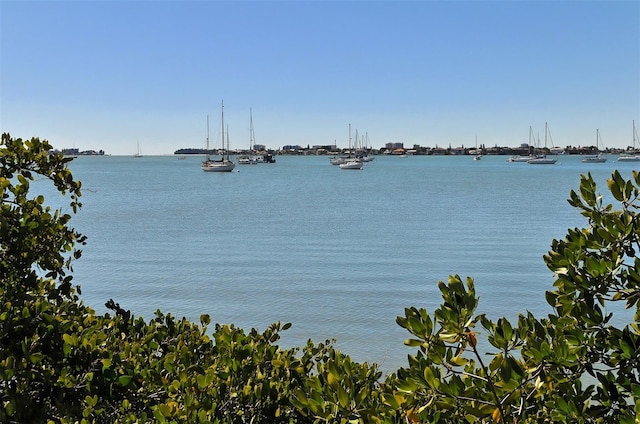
(338, 253)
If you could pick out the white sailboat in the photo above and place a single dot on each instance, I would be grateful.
(224, 164)
(337, 160)
(138, 153)
(477, 155)
(351, 163)
(249, 159)
(541, 158)
(366, 156)
(519, 159)
(598, 157)
(632, 156)
(522, 158)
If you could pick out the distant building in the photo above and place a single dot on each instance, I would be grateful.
(439, 151)
(394, 146)
(71, 152)
(292, 148)
(327, 147)
(75, 152)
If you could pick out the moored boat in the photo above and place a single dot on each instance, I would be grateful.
(524, 158)
(220, 165)
(633, 155)
(338, 160)
(250, 158)
(519, 158)
(352, 164)
(541, 158)
(598, 157)
(477, 153)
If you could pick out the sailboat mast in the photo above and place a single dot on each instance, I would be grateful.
(251, 141)
(222, 120)
(207, 137)
(532, 141)
(355, 144)
(227, 143)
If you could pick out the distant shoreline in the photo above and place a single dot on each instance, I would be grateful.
(494, 151)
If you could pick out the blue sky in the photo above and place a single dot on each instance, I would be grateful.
(109, 74)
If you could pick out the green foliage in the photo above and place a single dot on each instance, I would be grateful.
(573, 366)
(38, 302)
(61, 362)
(340, 391)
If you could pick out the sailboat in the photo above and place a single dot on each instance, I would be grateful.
(351, 163)
(477, 153)
(224, 164)
(598, 157)
(524, 158)
(249, 159)
(633, 156)
(366, 155)
(338, 160)
(138, 153)
(541, 158)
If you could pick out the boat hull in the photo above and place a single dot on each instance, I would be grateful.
(354, 165)
(246, 160)
(594, 159)
(542, 161)
(629, 158)
(519, 159)
(224, 166)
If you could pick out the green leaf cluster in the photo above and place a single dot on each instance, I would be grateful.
(62, 362)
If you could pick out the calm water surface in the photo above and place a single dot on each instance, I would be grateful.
(337, 253)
